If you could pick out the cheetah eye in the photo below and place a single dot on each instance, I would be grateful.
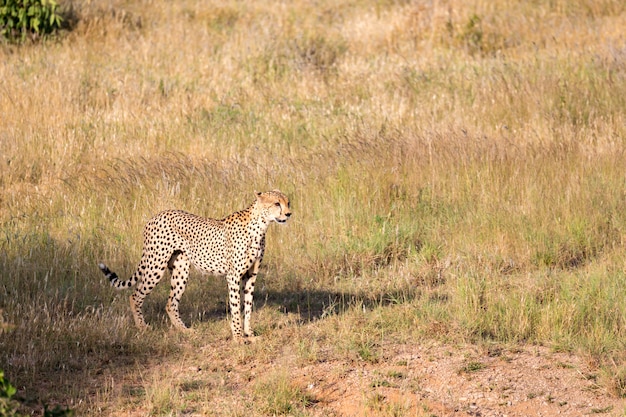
(277, 204)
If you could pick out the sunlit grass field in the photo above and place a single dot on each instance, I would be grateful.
(457, 172)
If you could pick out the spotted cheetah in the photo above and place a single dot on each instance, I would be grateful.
(231, 247)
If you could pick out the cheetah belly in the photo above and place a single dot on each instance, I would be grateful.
(210, 258)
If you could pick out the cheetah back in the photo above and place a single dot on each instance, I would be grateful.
(204, 240)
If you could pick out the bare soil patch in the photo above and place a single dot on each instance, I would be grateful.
(421, 379)
(439, 380)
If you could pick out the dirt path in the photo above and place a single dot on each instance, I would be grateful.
(462, 381)
(423, 380)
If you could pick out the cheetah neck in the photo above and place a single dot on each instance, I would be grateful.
(257, 220)
(256, 224)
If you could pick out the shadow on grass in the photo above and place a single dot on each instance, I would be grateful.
(313, 305)
(310, 305)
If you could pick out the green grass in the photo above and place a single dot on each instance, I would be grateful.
(278, 395)
(454, 174)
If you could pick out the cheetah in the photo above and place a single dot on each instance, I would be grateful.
(232, 247)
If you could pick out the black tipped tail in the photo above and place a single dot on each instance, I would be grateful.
(112, 276)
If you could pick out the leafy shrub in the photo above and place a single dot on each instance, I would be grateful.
(22, 18)
(7, 391)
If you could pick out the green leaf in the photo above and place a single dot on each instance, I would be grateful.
(11, 390)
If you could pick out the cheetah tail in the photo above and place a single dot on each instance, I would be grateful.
(115, 281)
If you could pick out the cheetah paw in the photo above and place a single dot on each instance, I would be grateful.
(245, 340)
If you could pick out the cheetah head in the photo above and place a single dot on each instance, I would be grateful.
(274, 205)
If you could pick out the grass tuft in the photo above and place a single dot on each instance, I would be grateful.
(281, 396)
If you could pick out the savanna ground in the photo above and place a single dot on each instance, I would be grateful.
(458, 181)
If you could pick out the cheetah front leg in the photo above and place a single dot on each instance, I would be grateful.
(234, 299)
(248, 295)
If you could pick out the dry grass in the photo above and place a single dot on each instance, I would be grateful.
(456, 172)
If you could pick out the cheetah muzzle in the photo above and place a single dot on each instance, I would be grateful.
(232, 247)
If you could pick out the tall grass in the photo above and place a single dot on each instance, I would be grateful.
(452, 165)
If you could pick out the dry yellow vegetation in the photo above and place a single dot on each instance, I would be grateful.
(456, 171)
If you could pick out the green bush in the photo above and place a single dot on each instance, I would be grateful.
(7, 404)
(20, 19)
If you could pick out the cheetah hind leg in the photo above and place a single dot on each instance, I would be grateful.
(179, 267)
(136, 301)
